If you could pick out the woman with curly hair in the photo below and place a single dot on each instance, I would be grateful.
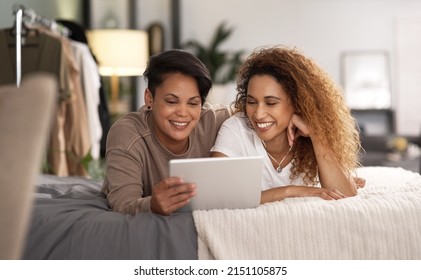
(290, 111)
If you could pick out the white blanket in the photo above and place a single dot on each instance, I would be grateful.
(382, 222)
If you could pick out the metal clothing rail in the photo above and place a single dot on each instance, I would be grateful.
(28, 16)
(18, 26)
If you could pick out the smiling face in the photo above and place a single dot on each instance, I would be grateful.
(176, 109)
(269, 108)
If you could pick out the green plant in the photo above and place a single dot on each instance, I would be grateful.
(222, 65)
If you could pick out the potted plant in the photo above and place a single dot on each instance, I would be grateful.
(222, 65)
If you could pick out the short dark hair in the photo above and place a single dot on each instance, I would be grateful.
(177, 61)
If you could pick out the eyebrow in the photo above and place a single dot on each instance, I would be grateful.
(175, 96)
(195, 97)
(274, 97)
(266, 97)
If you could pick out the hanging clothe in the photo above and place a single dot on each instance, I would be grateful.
(45, 52)
(91, 84)
(40, 53)
(76, 125)
(78, 34)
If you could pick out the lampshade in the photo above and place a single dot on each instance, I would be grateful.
(120, 52)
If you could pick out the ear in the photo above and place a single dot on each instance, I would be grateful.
(148, 97)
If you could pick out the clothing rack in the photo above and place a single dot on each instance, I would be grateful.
(29, 17)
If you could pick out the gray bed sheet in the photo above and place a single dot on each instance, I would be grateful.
(72, 220)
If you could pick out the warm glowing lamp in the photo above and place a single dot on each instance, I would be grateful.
(120, 52)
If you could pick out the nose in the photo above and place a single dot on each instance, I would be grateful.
(181, 110)
(260, 112)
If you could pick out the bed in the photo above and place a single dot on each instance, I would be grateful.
(72, 220)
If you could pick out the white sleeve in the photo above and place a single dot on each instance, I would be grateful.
(230, 141)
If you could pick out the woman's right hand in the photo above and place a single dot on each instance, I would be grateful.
(297, 127)
(171, 194)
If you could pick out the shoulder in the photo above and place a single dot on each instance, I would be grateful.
(127, 129)
(238, 121)
(236, 127)
(212, 116)
(235, 138)
(218, 112)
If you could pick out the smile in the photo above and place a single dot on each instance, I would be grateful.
(264, 125)
(179, 124)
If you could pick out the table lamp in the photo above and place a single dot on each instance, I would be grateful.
(120, 52)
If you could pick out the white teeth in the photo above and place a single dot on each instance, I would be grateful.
(180, 123)
(264, 125)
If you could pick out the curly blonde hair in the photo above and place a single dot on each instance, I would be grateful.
(316, 98)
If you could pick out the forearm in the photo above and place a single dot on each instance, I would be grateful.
(274, 194)
(280, 193)
(123, 184)
(332, 176)
(128, 202)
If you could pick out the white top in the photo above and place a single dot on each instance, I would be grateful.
(236, 139)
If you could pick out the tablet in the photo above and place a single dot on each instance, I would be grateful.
(222, 182)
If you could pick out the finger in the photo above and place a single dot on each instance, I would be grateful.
(332, 195)
(337, 194)
(360, 182)
(182, 188)
(326, 196)
(162, 193)
(179, 200)
(167, 183)
(164, 204)
(172, 181)
(291, 133)
(186, 196)
(175, 206)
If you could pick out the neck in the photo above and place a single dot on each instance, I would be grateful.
(276, 147)
(278, 164)
(177, 148)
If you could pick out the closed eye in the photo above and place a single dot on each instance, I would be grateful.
(194, 104)
(272, 101)
(250, 101)
(170, 101)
